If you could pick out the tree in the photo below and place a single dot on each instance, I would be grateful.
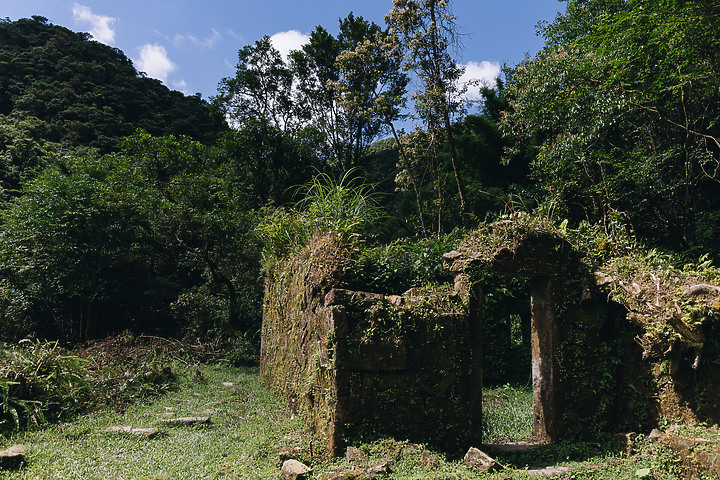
(73, 254)
(427, 31)
(625, 101)
(324, 83)
(86, 94)
(201, 218)
(262, 89)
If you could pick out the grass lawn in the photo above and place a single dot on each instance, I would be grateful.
(249, 425)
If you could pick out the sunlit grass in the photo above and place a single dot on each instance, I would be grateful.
(507, 414)
(247, 425)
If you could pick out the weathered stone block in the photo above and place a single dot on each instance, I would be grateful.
(13, 457)
(294, 470)
(480, 460)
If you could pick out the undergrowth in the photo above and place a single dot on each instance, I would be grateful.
(42, 383)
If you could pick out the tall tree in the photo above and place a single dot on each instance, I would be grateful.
(261, 90)
(428, 32)
(625, 98)
(319, 73)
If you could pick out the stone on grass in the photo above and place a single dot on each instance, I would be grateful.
(656, 435)
(294, 470)
(334, 476)
(379, 469)
(480, 460)
(428, 459)
(142, 432)
(186, 420)
(546, 471)
(352, 454)
(13, 457)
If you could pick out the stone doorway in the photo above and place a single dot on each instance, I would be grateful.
(544, 341)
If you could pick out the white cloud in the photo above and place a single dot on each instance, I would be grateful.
(181, 86)
(285, 42)
(203, 43)
(154, 61)
(477, 75)
(100, 25)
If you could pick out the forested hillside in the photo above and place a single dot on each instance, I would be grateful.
(127, 205)
(59, 90)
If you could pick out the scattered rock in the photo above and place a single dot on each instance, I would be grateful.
(709, 461)
(13, 457)
(186, 420)
(428, 459)
(333, 476)
(294, 470)
(656, 436)
(351, 474)
(547, 471)
(228, 384)
(141, 432)
(352, 454)
(701, 289)
(480, 460)
(379, 469)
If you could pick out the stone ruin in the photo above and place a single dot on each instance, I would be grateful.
(365, 364)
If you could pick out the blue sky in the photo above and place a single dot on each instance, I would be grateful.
(191, 45)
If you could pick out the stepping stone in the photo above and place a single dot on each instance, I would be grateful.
(546, 472)
(13, 457)
(186, 420)
(143, 432)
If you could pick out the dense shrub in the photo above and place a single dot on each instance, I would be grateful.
(401, 265)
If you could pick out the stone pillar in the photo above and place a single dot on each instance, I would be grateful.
(476, 363)
(544, 342)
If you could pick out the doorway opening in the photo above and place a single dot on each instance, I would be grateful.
(507, 355)
(519, 330)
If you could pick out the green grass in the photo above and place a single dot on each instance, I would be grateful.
(249, 424)
(507, 414)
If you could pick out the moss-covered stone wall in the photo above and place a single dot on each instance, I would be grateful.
(360, 365)
(634, 342)
(614, 348)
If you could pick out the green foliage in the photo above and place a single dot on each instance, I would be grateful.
(40, 383)
(66, 245)
(398, 266)
(625, 120)
(346, 208)
(98, 245)
(75, 92)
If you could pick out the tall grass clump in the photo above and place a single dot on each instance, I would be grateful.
(39, 383)
(346, 208)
